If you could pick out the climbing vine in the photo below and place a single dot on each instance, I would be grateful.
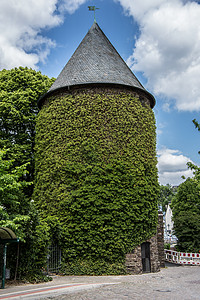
(96, 171)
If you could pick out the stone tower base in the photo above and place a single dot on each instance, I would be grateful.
(149, 256)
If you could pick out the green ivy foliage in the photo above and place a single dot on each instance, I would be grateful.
(93, 267)
(96, 171)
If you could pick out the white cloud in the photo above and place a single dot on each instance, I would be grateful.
(172, 165)
(167, 50)
(71, 5)
(21, 22)
(138, 8)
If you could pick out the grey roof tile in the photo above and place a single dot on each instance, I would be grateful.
(96, 61)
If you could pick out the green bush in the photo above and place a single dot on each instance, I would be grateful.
(167, 246)
(96, 171)
(89, 267)
(34, 237)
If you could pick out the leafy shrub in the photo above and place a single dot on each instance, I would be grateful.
(167, 246)
(89, 267)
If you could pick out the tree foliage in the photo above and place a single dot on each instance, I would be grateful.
(20, 215)
(165, 196)
(186, 212)
(11, 188)
(96, 171)
(20, 88)
(192, 166)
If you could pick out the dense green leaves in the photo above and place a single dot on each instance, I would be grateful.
(20, 215)
(96, 171)
(186, 212)
(34, 235)
(20, 88)
(91, 267)
(193, 167)
(165, 196)
(11, 187)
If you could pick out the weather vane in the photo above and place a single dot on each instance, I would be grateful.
(93, 8)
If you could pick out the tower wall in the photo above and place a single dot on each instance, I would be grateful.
(96, 170)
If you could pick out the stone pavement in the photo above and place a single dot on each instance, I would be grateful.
(174, 283)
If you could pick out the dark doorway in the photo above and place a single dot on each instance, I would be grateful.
(146, 262)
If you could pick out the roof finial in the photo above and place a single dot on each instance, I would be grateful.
(93, 8)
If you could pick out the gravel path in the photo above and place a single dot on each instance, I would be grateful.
(173, 282)
(176, 283)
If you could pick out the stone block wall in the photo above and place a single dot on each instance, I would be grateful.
(155, 264)
(133, 261)
(160, 240)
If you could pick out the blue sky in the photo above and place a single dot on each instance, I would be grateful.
(159, 40)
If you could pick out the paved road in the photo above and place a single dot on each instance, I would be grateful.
(174, 283)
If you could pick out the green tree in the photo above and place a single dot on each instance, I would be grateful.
(186, 211)
(20, 215)
(165, 196)
(20, 88)
(11, 188)
(195, 168)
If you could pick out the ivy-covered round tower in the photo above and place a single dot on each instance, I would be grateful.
(96, 158)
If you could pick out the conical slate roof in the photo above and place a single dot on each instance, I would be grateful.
(96, 61)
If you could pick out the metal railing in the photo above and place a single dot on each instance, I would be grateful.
(53, 259)
(182, 258)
